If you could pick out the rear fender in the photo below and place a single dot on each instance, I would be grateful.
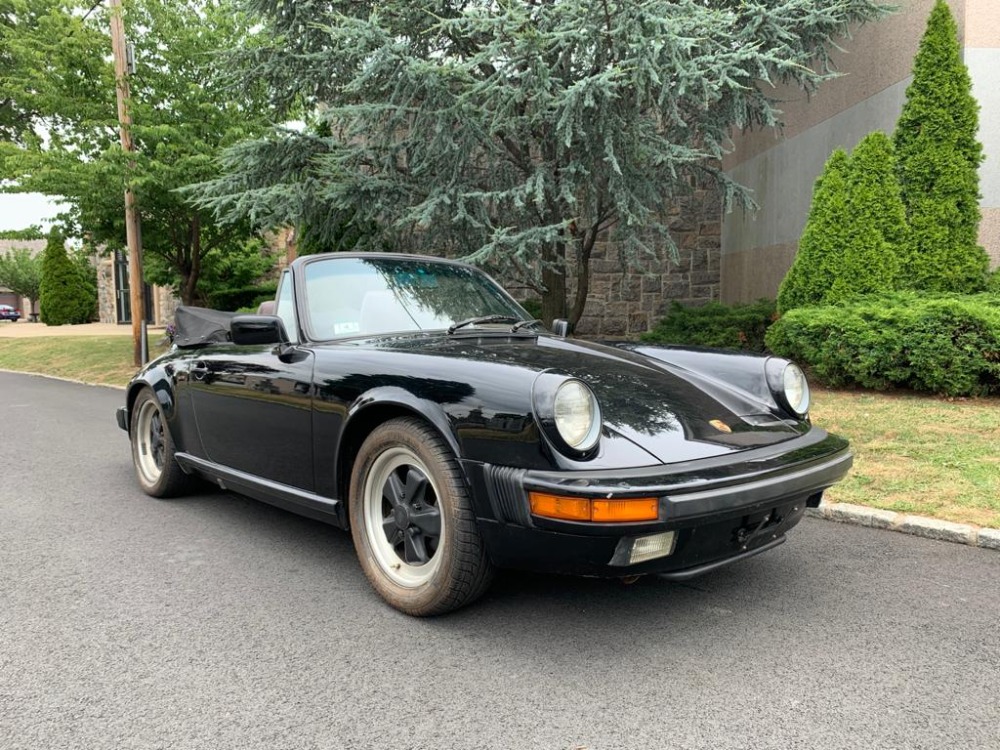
(159, 382)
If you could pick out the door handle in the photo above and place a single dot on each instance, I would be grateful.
(199, 370)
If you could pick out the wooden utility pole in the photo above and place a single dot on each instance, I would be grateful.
(133, 233)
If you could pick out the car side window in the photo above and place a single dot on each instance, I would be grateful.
(285, 308)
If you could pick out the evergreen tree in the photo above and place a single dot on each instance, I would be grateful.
(64, 296)
(824, 237)
(516, 133)
(875, 253)
(938, 162)
(855, 240)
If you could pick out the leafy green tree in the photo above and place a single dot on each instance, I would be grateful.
(938, 162)
(21, 272)
(518, 133)
(59, 80)
(65, 295)
(874, 255)
(57, 44)
(233, 267)
(811, 276)
(34, 232)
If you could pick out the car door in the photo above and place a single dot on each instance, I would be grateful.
(253, 404)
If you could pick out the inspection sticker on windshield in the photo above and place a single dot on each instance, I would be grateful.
(342, 329)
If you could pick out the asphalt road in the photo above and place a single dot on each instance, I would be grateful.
(216, 622)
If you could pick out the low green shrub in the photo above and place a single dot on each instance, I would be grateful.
(244, 297)
(948, 344)
(993, 284)
(533, 306)
(715, 325)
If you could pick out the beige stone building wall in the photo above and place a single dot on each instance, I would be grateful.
(758, 247)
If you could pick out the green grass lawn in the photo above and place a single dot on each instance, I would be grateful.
(918, 454)
(105, 360)
(914, 454)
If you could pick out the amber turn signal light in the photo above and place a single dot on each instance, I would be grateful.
(596, 511)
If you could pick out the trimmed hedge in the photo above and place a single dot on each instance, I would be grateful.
(715, 325)
(993, 284)
(948, 344)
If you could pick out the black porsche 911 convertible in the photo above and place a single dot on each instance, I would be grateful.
(414, 402)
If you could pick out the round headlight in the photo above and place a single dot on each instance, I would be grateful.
(796, 389)
(577, 415)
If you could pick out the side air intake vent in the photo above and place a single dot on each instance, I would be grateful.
(506, 489)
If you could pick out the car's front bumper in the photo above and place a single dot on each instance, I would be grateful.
(720, 510)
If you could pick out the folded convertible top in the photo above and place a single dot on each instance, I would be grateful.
(197, 326)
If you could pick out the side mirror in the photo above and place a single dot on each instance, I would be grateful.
(560, 327)
(248, 330)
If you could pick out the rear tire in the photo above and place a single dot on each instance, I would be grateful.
(412, 521)
(153, 452)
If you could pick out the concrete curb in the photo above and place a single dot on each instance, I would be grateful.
(64, 380)
(929, 528)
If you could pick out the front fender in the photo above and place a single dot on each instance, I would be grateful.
(743, 372)
(392, 396)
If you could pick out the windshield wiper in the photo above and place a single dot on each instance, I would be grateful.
(482, 319)
(522, 323)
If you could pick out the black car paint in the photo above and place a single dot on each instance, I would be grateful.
(283, 422)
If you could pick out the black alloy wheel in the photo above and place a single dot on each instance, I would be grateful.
(412, 521)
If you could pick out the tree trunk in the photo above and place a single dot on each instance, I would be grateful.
(192, 269)
(554, 281)
(584, 247)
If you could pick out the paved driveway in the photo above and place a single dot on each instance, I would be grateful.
(217, 622)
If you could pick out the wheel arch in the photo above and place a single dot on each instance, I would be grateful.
(156, 382)
(375, 409)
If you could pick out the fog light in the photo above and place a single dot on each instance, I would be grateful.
(633, 550)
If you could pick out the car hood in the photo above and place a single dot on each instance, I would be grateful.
(672, 413)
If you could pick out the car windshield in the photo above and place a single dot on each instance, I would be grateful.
(365, 296)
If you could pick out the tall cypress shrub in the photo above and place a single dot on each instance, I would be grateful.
(938, 160)
(875, 253)
(811, 275)
(64, 297)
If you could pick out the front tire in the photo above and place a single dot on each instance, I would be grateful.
(153, 452)
(412, 521)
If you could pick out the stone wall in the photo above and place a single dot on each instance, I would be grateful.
(625, 302)
(106, 309)
(165, 304)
